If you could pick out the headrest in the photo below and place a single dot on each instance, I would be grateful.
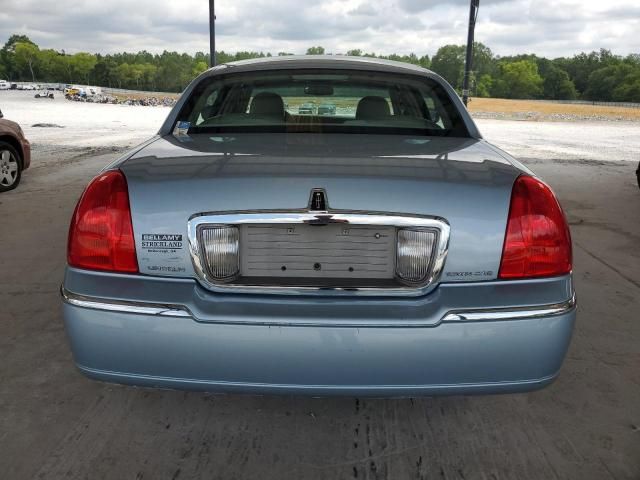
(267, 103)
(372, 107)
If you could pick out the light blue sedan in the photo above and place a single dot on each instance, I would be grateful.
(382, 249)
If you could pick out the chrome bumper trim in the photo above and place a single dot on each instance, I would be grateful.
(511, 313)
(174, 310)
(123, 306)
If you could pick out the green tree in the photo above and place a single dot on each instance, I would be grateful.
(484, 86)
(104, 73)
(7, 56)
(618, 83)
(123, 74)
(598, 75)
(629, 91)
(412, 58)
(51, 65)
(13, 40)
(315, 50)
(82, 64)
(448, 62)
(149, 71)
(557, 84)
(581, 66)
(198, 68)
(136, 73)
(26, 56)
(484, 62)
(519, 79)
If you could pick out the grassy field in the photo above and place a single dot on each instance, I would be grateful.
(547, 109)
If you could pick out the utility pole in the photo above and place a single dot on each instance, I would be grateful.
(473, 16)
(212, 33)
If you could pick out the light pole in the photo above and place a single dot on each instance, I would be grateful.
(212, 33)
(473, 16)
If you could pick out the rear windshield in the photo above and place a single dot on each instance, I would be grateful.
(321, 101)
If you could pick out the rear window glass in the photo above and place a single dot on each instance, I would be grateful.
(317, 101)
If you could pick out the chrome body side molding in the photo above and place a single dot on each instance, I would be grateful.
(510, 313)
(471, 315)
(142, 308)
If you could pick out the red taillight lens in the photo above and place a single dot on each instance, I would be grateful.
(537, 243)
(101, 234)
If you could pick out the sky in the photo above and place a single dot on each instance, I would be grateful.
(548, 28)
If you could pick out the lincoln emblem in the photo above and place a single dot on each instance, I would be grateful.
(318, 201)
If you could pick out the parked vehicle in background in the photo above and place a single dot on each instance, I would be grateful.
(82, 90)
(307, 109)
(4, 85)
(15, 154)
(388, 250)
(326, 109)
(46, 94)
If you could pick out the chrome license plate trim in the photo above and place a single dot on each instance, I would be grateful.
(203, 220)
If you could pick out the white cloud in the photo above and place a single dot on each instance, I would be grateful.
(546, 27)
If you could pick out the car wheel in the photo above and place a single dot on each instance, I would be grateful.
(10, 167)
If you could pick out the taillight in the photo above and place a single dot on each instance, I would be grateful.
(537, 242)
(101, 234)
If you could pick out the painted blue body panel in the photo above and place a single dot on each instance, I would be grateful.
(319, 346)
(451, 358)
(209, 307)
(463, 180)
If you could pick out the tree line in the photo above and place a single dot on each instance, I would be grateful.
(597, 76)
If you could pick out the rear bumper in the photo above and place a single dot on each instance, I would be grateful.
(496, 352)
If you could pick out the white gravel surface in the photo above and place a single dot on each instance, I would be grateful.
(586, 140)
(88, 125)
(84, 124)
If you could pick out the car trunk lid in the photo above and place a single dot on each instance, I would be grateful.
(464, 181)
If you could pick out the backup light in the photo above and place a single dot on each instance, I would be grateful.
(101, 233)
(537, 241)
(221, 246)
(414, 251)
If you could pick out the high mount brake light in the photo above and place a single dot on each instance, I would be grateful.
(101, 232)
(537, 242)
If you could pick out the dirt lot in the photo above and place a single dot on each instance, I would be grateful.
(54, 423)
(537, 110)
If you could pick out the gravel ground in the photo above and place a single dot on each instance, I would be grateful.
(552, 117)
(592, 140)
(75, 127)
(56, 424)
